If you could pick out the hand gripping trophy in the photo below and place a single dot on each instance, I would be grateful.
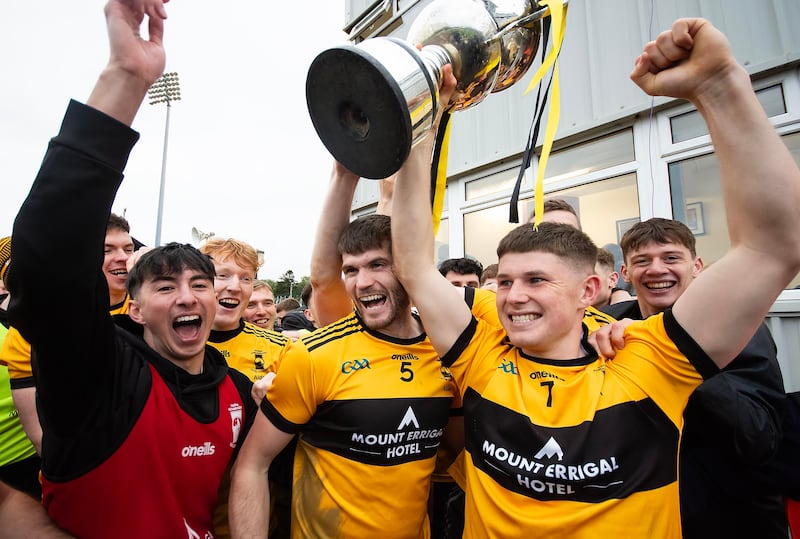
(371, 102)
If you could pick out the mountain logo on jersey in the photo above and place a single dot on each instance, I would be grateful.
(235, 410)
(408, 419)
(549, 450)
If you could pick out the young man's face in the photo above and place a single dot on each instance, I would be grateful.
(234, 286)
(458, 279)
(660, 273)
(261, 308)
(540, 302)
(177, 313)
(117, 248)
(377, 294)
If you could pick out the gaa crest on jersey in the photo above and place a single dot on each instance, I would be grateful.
(235, 410)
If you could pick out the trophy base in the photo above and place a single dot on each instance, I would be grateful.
(359, 112)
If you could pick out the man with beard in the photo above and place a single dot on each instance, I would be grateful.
(366, 394)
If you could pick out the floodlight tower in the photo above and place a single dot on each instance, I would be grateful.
(165, 89)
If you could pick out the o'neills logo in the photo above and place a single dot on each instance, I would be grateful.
(207, 449)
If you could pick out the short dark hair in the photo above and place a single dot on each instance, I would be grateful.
(462, 266)
(117, 222)
(305, 295)
(606, 258)
(368, 232)
(288, 304)
(169, 259)
(489, 272)
(562, 240)
(657, 230)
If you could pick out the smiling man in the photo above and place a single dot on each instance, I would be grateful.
(732, 421)
(140, 419)
(559, 440)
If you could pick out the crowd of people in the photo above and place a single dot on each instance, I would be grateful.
(400, 398)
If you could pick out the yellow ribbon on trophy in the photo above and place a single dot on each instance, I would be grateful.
(559, 22)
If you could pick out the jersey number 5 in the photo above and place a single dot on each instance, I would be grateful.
(406, 374)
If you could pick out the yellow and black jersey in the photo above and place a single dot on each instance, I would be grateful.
(251, 350)
(594, 319)
(15, 352)
(370, 410)
(579, 448)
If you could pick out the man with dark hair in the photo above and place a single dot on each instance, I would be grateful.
(462, 271)
(561, 441)
(140, 419)
(732, 422)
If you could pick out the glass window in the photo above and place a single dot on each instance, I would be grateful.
(697, 201)
(594, 155)
(605, 208)
(488, 185)
(442, 241)
(690, 124)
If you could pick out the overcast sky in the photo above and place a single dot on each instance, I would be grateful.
(243, 159)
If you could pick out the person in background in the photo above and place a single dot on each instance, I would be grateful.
(489, 277)
(462, 271)
(732, 422)
(15, 352)
(251, 350)
(558, 210)
(261, 309)
(140, 417)
(605, 269)
(284, 306)
(19, 462)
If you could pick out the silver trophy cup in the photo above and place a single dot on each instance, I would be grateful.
(371, 102)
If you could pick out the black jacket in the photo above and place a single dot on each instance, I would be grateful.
(732, 428)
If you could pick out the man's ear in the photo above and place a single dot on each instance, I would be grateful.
(591, 288)
(135, 311)
(624, 272)
(613, 279)
(697, 267)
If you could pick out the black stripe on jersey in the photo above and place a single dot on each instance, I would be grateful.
(380, 432)
(461, 343)
(337, 330)
(627, 448)
(600, 316)
(22, 383)
(272, 336)
(688, 347)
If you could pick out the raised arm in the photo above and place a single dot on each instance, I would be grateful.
(331, 300)
(440, 304)
(135, 62)
(75, 187)
(760, 185)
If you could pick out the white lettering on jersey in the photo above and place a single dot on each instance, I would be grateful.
(205, 450)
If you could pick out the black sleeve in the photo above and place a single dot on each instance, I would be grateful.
(58, 245)
(740, 408)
